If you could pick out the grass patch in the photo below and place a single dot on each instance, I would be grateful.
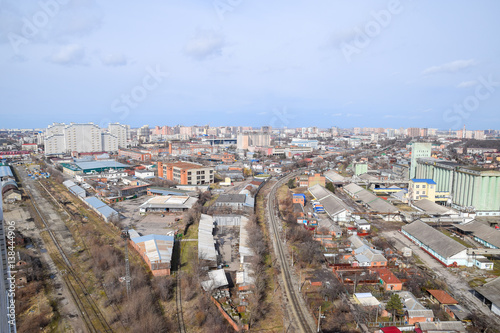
(449, 234)
(477, 282)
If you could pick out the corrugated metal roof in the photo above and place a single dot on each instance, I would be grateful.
(104, 164)
(95, 202)
(206, 242)
(107, 211)
(158, 248)
(5, 171)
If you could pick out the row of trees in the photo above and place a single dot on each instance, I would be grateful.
(257, 306)
(308, 250)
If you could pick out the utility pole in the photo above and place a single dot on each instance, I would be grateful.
(319, 318)
(127, 264)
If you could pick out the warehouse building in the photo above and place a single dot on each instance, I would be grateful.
(490, 294)
(156, 250)
(206, 242)
(134, 154)
(167, 203)
(444, 249)
(434, 209)
(374, 203)
(75, 189)
(106, 212)
(334, 207)
(91, 167)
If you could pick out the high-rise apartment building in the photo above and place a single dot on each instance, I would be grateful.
(253, 139)
(413, 132)
(61, 138)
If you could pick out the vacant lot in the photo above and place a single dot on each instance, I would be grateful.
(154, 223)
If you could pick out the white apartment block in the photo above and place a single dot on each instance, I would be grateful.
(83, 138)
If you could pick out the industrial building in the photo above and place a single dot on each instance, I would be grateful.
(434, 209)
(186, 173)
(75, 189)
(370, 200)
(470, 188)
(490, 294)
(482, 232)
(134, 154)
(92, 167)
(156, 250)
(234, 201)
(206, 242)
(336, 209)
(418, 150)
(167, 203)
(360, 168)
(446, 250)
(106, 212)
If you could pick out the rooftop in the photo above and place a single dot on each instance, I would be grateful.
(433, 208)
(184, 165)
(104, 164)
(439, 242)
(442, 296)
(428, 181)
(491, 291)
(158, 248)
(232, 198)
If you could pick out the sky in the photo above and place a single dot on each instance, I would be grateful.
(288, 63)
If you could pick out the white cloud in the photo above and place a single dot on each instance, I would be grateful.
(114, 60)
(450, 67)
(467, 84)
(336, 114)
(204, 45)
(71, 54)
(426, 110)
(353, 115)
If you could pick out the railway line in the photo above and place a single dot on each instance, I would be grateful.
(178, 301)
(92, 316)
(300, 314)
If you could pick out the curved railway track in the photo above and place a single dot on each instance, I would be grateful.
(93, 319)
(300, 314)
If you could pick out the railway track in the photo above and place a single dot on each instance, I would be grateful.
(178, 301)
(300, 314)
(90, 312)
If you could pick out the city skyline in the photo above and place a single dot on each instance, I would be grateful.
(384, 64)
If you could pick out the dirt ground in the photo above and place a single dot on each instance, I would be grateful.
(228, 239)
(153, 223)
(20, 213)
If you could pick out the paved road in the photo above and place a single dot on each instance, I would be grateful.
(460, 289)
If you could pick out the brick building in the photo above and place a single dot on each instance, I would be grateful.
(186, 173)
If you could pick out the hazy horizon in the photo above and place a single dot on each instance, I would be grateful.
(384, 64)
